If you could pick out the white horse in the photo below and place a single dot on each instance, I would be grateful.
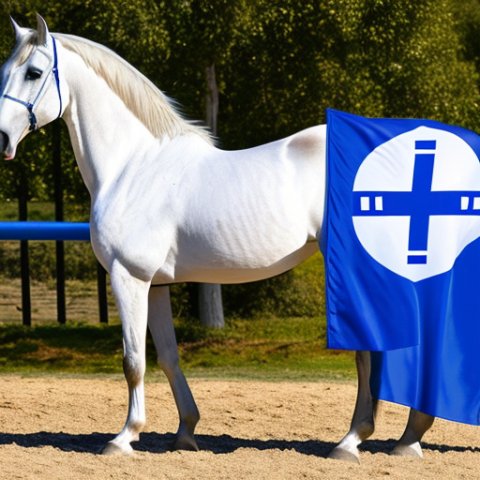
(167, 206)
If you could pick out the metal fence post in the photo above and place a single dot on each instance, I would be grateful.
(59, 244)
(24, 258)
(102, 293)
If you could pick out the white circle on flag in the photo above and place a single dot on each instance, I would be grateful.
(390, 168)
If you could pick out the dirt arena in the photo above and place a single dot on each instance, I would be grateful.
(53, 428)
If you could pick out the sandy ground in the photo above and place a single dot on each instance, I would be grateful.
(52, 428)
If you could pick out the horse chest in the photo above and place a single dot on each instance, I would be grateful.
(137, 237)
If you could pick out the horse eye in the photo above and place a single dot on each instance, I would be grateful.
(33, 73)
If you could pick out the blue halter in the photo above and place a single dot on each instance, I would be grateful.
(30, 105)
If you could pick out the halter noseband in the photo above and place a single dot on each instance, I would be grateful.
(30, 105)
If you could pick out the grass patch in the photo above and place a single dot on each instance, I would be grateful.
(267, 349)
(66, 349)
(274, 348)
(44, 211)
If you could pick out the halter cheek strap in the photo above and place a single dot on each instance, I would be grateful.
(30, 105)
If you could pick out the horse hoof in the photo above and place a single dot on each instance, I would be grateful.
(344, 455)
(112, 448)
(186, 443)
(407, 451)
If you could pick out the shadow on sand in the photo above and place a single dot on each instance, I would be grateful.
(220, 444)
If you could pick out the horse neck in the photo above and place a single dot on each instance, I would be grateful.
(105, 134)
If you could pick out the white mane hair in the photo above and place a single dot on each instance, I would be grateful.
(148, 103)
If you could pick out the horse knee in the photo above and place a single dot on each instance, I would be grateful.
(169, 361)
(134, 369)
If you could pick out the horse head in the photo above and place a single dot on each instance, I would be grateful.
(30, 86)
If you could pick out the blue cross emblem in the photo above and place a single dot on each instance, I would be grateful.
(419, 204)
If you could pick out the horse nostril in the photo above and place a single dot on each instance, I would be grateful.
(3, 141)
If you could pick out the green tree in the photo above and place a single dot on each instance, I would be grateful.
(372, 57)
(467, 18)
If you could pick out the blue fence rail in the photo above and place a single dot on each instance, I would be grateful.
(44, 231)
(58, 231)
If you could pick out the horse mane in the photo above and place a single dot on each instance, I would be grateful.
(148, 103)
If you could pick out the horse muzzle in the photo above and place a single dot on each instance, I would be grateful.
(5, 147)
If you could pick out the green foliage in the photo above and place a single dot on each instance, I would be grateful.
(467, 22)
(297, 293)
(80, 262)
(376, 58)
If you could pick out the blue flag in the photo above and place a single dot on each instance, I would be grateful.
(401, 243)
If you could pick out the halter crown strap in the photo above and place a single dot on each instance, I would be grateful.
(55, 74)
(30, 105)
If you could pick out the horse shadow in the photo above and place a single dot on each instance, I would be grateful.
(217, 444)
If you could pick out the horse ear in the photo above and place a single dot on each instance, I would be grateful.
(42, 31)
(19, 31)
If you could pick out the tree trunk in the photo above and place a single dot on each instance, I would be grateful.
(212, 98)
(210, 308)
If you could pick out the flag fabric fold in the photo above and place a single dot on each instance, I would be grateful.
(401, 243)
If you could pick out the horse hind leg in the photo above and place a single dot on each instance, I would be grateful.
(160, 323)
(363, 420)
(409, 443)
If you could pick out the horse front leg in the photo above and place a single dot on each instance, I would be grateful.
(131, 296)
(160, 323)
(409, 443)
(363, 420)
